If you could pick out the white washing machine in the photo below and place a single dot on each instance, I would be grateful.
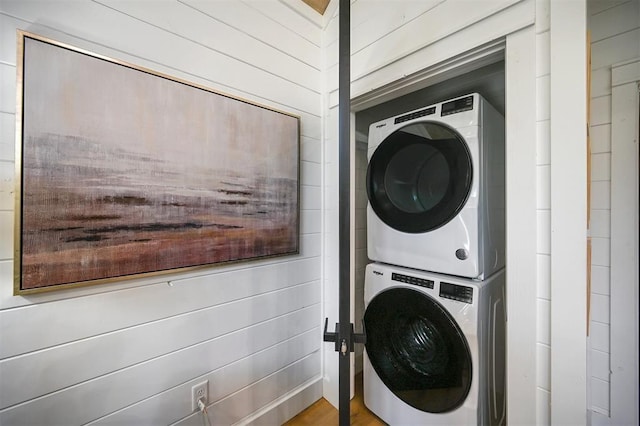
(435, 183)
(435, 351)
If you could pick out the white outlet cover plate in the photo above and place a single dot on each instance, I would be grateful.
(200, 390)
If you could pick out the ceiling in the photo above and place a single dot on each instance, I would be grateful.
(318, 5)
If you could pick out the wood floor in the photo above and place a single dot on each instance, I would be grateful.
(322, 413)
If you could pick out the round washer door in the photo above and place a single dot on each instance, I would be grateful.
(419, 177)
(418, 350)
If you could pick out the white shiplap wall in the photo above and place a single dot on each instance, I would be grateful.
(615, 37)
(129, 352)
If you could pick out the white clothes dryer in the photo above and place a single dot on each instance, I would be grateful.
(435, 351)
(435, 184)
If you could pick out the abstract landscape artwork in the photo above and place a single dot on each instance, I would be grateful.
(125, 172)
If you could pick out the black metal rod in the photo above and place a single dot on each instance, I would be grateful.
(344, 209)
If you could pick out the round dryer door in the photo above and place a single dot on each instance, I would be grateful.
(419, 177)
(418, 350)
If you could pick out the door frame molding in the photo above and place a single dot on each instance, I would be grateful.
(568, 146)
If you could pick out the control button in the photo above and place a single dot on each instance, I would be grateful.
(462, 254)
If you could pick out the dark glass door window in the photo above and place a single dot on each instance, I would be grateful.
(418, 350)
(419, 177)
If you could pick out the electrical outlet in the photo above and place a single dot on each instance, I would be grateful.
(199, 391)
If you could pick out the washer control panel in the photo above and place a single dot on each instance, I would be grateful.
(414, 115)
(412, 280)
(456, 292)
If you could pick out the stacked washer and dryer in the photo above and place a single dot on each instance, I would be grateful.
(434, 298)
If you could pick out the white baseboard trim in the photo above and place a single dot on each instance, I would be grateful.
(287, 406)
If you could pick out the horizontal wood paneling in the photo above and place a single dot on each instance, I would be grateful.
(445, 19)
(282, 30)
(8, 301)
(600, 368)
(599, 334)
(600, 276)
(599, 6)
(221, 37)
(600, 82)
(309, 122)
(601, 166)
(600, 308)
(152, 47)
(617, 49)
(600, 224)
(8, 38)
(295, 17)
(34, 327)
(601, 138)
(103, 395)
(600, 396)
(411, 26)
(625, 73)
(310, 221)
(7, 185)
(234, 408)
(310, 197)
(601, 195)
(7, 138)
(615, 37)
(373, 20)
(81, 360)
(7, 88)
(616, 20)
(370, 71)
(601, 110)
(128, 352)
(174, 404)
(310, 149)
(6, 242)
(310, 173)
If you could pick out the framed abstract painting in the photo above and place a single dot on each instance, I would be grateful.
(124, 172)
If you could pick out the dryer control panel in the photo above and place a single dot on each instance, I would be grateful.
(412, 280)
(456, 292)
(458, 105)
